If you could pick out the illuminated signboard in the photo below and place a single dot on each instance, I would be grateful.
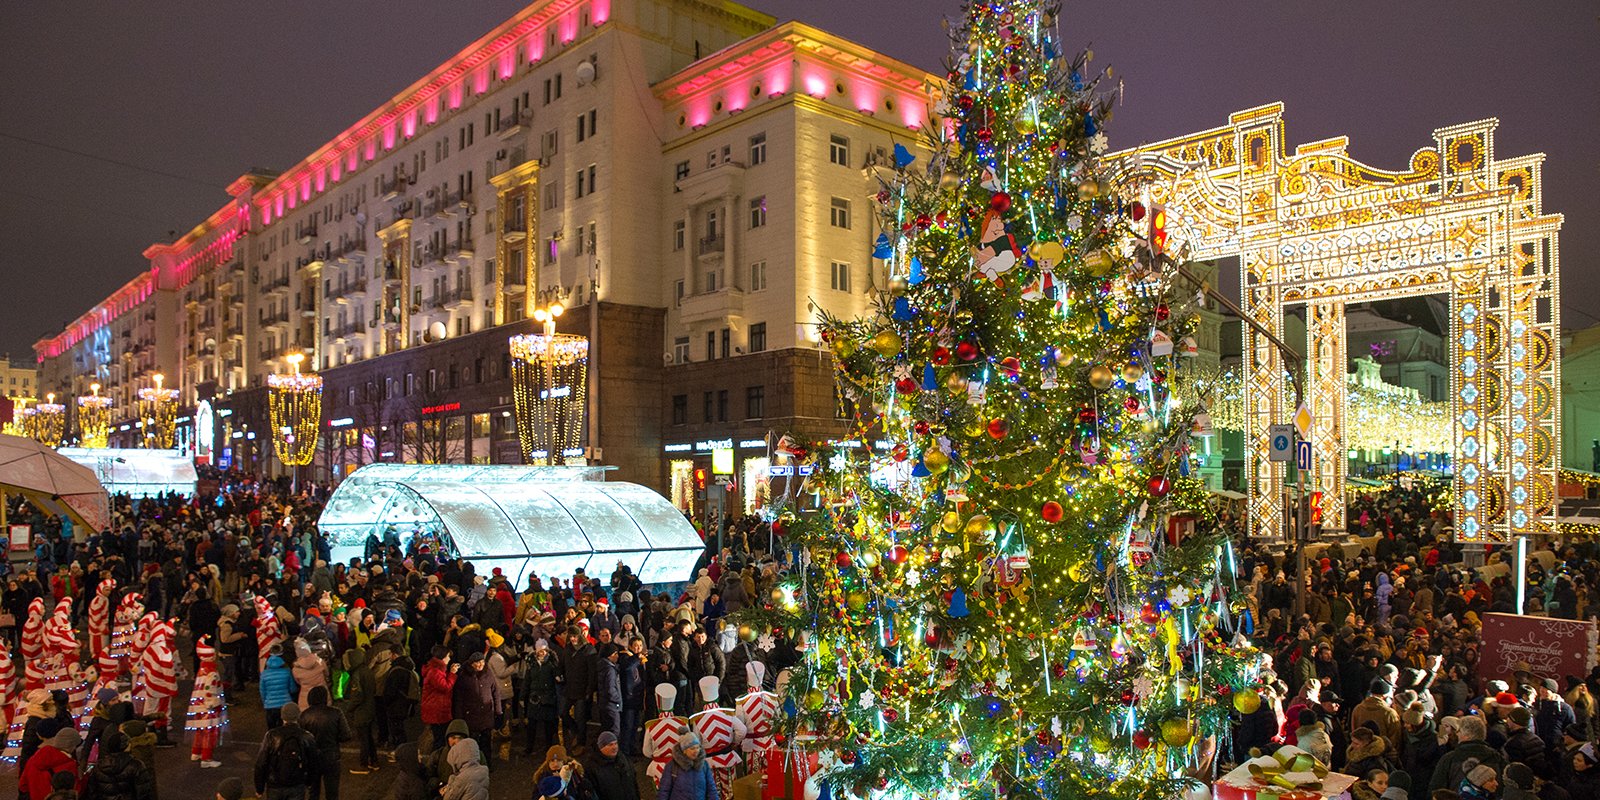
(441, 408)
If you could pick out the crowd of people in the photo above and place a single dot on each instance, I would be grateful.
(1380, 678)
(430, 669)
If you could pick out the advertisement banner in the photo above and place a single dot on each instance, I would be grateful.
(1545, 647)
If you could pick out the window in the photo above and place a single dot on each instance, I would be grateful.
(839, 213)
(580, 183)
(551, 249)
(679, 233)
(758, 337)
(594, 183)
(758, 276)
(711, 350)
(586, 178)
(586, 124)
(727, 153)
(552, 142)
(758, 212)
(679, 172)
(727, 336)
(433, 380)
(839, 150)
(680, 349)
(711, 159)
(708, 406)
(841, 276)
(678, 290)
(722, 405)
(758, 149)
(680, 409)
(755, 402)
(552, 195)
(711, 283)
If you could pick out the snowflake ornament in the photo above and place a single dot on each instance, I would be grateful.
(913, 578)
(1143, 687)
(1098, 143)
(1178, 596)
(765, 643)
(1002, 678)
(867, 699)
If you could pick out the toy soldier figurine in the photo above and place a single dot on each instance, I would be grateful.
(661, 734)
(721, 731)
(756, 709)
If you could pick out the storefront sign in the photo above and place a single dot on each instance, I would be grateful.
(1547, 648)
(441, 408)
(722, 461)
(677, 448)
(341, 422)
(713, 444)
(752, 444)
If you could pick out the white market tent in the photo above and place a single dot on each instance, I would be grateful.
(522, 519)
(137, 472)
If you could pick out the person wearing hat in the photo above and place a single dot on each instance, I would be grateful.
(477, 700)
(1518, 783)
(56, 754)
(329, 728)
(117, 774)
(1471, 751)
(1551, 713)
(610, 773)
(230, 789)
(662, 733)
(720, 731)
(469, 777)
(361, 706)
(539, 703)
(412, 782)
(688, 774)
(1521, 743)
(1375, 708)
(1481, 783)
(1585, 782)
(277, 686)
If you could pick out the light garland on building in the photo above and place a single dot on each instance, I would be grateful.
(549, 378)
(294, 403)
(49, 421)
(21, 423)
(94, 418)
(160, 414)
(1376, 416)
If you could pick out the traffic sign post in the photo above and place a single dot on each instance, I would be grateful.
(1302, 454)
(1280, 442)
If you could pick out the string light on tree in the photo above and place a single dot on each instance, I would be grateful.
(160, 414)
(94, 418)
(49, 421)
(549, 375)
(294, 403)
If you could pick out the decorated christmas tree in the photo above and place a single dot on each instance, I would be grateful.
(1007, 600)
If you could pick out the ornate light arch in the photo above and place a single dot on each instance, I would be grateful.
(1320, 228)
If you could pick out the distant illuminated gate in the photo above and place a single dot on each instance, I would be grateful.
(1322, 229)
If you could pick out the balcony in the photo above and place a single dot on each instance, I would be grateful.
(711, 245)
(514, 124)
(720, 305)
(234, 331)
(458, 250)
(342, 293)
(391, 271)
(514, 229)
(456, 298)
(348, 330)
(307, 234)
(390, 188)
(276, 285)
(276, 319)
(350, 247)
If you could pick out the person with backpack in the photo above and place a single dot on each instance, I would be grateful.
(277, 686)
(118, 775)
(287, 762)
(688, 775)
(469, 778)
(329, 728)
(402, 690)
(361, 704)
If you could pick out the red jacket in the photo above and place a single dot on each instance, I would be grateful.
(42, 766)
(438, 689)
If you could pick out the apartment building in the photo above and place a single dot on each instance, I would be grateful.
(690, 180)
(18, 377)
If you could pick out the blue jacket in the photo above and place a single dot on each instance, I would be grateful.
(277, 684)
(694, 783)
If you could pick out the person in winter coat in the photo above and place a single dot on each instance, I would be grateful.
(469, 779)
(399, 688)
(277, 687)
(477, 700)
(309, 671)
(610, 772)
(631, 667)
(705, 658)
(287, 762)
(1421, 750)
(687, 776)
(539, 691)
(1375, 708)
(412, 782)
(1521, 743)
(1482, 783)
(608, 688)
(141, 742)
(40, 725)
(1311, 737)
(118, 775)
(361, 705)
(438, 691)
(329, 728)
(57, 754)
(578, 682)
(1366, 753)
(1453, 766)
(502, 664)
(1585, 783)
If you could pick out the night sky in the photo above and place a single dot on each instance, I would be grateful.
(188, 95)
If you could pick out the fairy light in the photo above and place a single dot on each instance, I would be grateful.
(49, 421)
(159, 413)
(21, 423)
(94, 418)
(549, 389)
(294, 404)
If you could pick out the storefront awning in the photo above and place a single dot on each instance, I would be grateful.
(137, 472)
(540, 520)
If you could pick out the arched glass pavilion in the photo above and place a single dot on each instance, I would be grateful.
(522, 519)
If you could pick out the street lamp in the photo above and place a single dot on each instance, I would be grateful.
(549, 379)
(160, 414)
(50, 421)
(94, 418)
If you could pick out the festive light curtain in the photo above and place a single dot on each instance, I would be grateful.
(49, 421)
(21, 423)
(549, 376)
(94, 419)
(160, 415)
(294, 403)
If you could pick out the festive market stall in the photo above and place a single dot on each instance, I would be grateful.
(138, 472)
(541, 519)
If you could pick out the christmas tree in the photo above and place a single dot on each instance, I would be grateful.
(1004, 602)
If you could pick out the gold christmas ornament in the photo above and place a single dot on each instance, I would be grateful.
(951, 522)
(955, 382)
(1100, 377)
(963, 316)
(1088, 190)
(1132, 372)
(1247, 701)
(979, 526)
(1098, 262)
(887, 344)
(844, 347)
(1176, 732)
(936, 461)
(747, 633)
(856, 600)
(814, 699)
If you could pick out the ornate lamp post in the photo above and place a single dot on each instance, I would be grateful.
(50, 421)
(94, 418)
(294, 401)
(159, 414)
(549, 377)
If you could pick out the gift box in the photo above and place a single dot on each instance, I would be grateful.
(1288, 774)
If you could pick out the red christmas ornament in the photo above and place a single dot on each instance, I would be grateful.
(1058, 670)
(1131, 404)
(1148, 614)
(843, 560)
(905, 386)
(1127, 697)
(1000, 202)
(1141, 740)
(1157, 376)
(942, 219)
(847, 756)
(1051, 511)
(922, 427)
(890, 715)
(964, 102)
(1159, 486)
(924, 222)
(984, 134)
(883, 195)
(1011, 367)
(1162, 312)
(998, 428)
(966, 351)
(1224, 690)
(931, 638)
(897, 554)
(941, 355)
